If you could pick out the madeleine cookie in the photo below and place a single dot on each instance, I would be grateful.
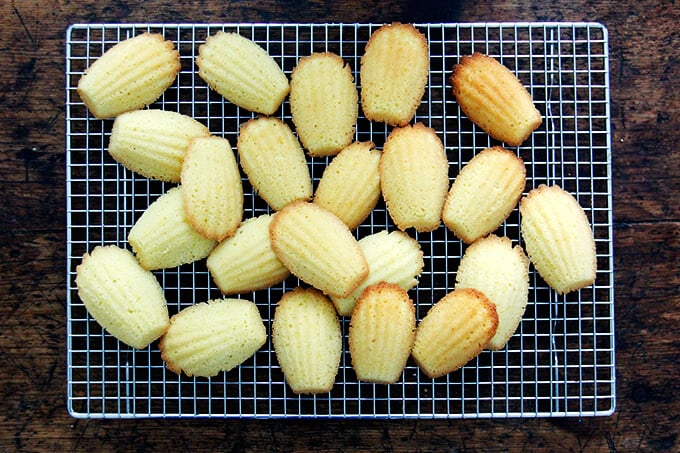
(323, 103)
(246, 262)
(392, 257)
(454, 331)
(318, 248)
(500, 271)
(414, 177)
(242, 72)
(153, 143)
(350, 185)
(381, 333)
(393, 75)
(163, 237)
(307, 340)
(558, 238)
(130, 75)
(121, 296)
(484, 193)
(212, 336)
(211, 184)
(274, 162)
(494, 99)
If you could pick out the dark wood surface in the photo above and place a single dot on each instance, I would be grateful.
(644, 40)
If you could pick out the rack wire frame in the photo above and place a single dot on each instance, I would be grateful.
(560, 362)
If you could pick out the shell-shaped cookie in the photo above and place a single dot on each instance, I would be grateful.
(494, 99)
(500, 271)
(246, 262)
(318, 248)
(381, 333)
(454, 331)
(394, 70)
(392, 257)
(484, 193)
(153, 143)
(129, 75)
(121, 296)
(243, 72)
(414, 177)
(163, 237)
(212, 336)
(274, 162)
(211, 184)
(558, 238)
(323, 103)
(307, 340)
(350, 185)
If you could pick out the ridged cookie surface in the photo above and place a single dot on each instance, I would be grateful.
(323, 103)
(392, 257)
(212, 336)
(394, 70)
(500, 271)
(211, 184)
(484, 193)
(350, 185)
(163, 237)
(414, 177)
(454, 331)
(381, 333)
(494, 99)
(318, 248)
(274, 162)
(130, 75)
(153, 143)
(558, 238)
(307, 340)
(243, 72)
(246, 262)
(121, 296)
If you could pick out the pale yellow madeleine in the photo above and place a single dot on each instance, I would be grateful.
(153, 143)
(130, 75)
(558, 238)
(121, 296)
(243, 72)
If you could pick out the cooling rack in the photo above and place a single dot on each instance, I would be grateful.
(561, 360)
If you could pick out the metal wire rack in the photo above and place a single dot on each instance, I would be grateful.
(560, 362)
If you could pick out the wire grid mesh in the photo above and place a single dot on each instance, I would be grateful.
(559, 362)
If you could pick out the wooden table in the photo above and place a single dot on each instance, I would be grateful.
(644, 63)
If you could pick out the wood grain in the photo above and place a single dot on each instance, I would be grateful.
(644, 64)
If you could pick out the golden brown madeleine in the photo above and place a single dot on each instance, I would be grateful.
(558, 238)
(350, 185)
(129, 75)
(323, 103)
(163, 237)
(246, 262)
(414, 177)
(392, 257)
(454, 331)
(242, 72)
(121, 296)
(318, 248)
(394, 70)
(307, 340)
(499, 270)
(494, 99)
(274, 162)
(484, 193)
(213, 336)
(381, 333)
(153, 143)
(211, 184)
